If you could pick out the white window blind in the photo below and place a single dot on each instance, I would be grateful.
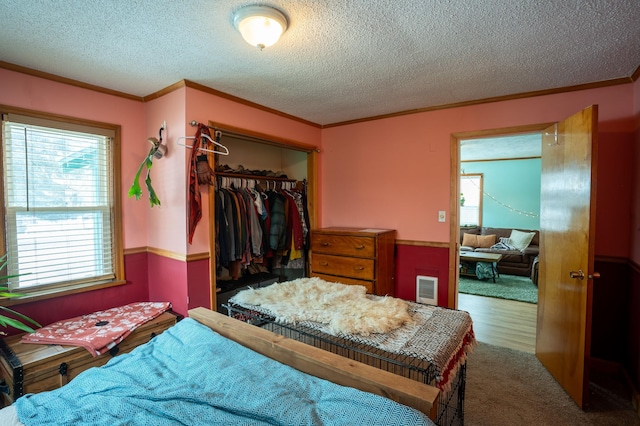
(58, 192)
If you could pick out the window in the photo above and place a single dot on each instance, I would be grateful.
(61, 217)
(471, 200)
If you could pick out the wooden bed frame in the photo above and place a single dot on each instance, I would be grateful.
(321, 363)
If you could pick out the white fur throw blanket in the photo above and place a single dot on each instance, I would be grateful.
(344, 308)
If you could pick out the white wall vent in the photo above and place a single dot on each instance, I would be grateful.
(427, 290)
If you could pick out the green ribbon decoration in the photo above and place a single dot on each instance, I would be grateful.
(136, 190)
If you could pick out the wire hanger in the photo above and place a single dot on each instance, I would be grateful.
(214, 142)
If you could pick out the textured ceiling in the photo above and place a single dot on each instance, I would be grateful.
(501, 148)
(339, 60)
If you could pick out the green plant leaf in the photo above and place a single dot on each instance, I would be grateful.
(135, 189)
(4, 292)
(10, 322)
(153, 198)
(21, 316)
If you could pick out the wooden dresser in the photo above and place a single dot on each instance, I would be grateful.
(355, 256)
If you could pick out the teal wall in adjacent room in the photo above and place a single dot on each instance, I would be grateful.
(511, 192)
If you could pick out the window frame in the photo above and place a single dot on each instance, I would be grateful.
(480, 176)
(115, 213)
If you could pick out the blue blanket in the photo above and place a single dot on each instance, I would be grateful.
(190, 375)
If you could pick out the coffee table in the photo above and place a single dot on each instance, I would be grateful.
(475, 257)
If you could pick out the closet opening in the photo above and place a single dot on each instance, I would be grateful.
(262, 210)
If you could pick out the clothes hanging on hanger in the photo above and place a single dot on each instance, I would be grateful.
(258, 228)
(195, 199)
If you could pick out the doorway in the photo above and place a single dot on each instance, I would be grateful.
(567, 239)
(499, 187)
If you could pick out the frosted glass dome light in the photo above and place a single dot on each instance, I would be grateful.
(260, 26)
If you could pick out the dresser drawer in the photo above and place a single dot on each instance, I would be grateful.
(343, 266)
(344, 280)
(343, 245)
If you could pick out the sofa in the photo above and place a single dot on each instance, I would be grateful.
(514, 261)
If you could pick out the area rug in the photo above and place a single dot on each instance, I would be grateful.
(510, 287)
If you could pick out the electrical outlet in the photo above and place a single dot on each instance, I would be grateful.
(442, 216)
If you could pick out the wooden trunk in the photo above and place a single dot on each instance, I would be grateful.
(32, 368)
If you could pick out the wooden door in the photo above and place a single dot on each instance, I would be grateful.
(567, 218)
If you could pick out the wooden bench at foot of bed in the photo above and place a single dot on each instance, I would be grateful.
(321, 363)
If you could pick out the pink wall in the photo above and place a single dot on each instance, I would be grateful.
(204, 107)
(186, 284)
(389, 173)
(395, 172)
(23, 91)
(167, 224)
(161, 228)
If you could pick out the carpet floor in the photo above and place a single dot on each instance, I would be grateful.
(509, 387)
(510, 287)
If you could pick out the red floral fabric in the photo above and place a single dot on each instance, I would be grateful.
(99, 331)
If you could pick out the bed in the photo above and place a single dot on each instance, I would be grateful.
(425, 343)
(212, 369)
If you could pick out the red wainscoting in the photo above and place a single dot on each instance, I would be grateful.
(615, 334)
(412, 261)
(610, 315)
(184, 284)
(168, 281)
(632, 306)
(199, 289)
(52, 310)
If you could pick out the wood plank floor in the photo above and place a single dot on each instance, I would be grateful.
(499, 322)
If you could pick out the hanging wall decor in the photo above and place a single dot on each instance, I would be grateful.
(157, 150)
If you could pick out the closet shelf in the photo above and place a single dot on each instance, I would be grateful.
(254, 177)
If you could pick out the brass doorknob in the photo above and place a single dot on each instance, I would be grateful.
(580, 275)
(577, 274)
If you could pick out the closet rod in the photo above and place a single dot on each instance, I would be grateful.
(254, 177)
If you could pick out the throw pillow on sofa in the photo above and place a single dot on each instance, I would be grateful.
(521, 240)
(486, 241)
(470, 240)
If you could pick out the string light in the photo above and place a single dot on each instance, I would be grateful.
(511, 208)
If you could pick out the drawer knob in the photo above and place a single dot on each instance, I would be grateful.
(324, 263)
(359, 246)
(359, 268)
(325, 244)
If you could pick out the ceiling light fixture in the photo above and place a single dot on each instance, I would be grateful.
(260, 26)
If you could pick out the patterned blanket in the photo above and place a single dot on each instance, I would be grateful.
(440, 336)
(504, 244)
(99, 331)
